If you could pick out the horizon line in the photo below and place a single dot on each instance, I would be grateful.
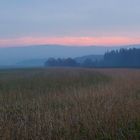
(72, 46)
(69, 41)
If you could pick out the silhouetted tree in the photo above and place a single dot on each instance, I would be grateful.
(115, 58)
(88, 63)
(51, 62)
(68, 62)
(123, 58)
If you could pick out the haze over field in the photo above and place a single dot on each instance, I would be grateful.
(39, 29)
(37, 55)
(14, 55)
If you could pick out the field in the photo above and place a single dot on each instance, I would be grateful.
(70, 104)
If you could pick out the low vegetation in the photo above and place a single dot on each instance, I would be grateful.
(70, 104)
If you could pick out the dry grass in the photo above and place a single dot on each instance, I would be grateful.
(70, 104)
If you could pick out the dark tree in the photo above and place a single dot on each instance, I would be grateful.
(51, 62)
(122, 58)
(128, 58)
(68, 62)
(88, 63)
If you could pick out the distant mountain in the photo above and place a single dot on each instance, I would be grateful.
(34, 55)
(91, 57)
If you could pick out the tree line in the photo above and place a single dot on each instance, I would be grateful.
(122, 58)
(62, 62)
(116, 58)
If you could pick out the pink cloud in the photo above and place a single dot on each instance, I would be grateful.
(70, 41)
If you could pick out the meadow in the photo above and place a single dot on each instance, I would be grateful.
(70, 104)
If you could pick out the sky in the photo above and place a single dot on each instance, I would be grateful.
(69, 22)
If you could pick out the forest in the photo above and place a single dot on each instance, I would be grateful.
(123, 58)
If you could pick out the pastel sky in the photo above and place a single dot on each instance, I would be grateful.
(69, 22)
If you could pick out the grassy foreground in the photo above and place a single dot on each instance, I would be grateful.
(70, 104)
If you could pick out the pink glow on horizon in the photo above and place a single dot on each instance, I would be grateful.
(83, 41)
